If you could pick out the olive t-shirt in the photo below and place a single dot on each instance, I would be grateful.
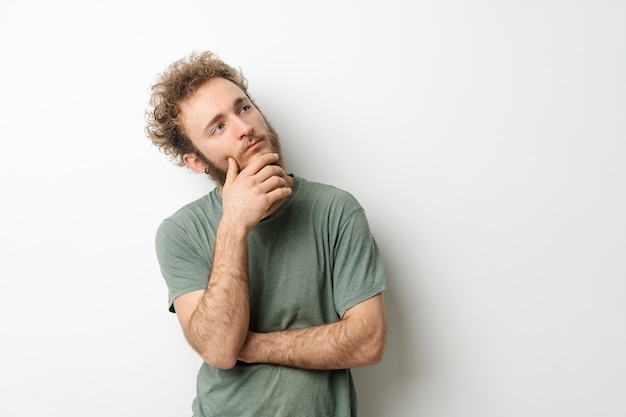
(309, 262)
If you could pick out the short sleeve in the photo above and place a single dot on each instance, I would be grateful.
(184, 266)
(358, 272)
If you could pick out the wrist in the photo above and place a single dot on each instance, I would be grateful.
(233, 228)
(248, 350)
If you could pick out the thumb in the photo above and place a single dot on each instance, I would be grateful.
(233, 170)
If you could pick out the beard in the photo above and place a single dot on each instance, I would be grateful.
(219, 175)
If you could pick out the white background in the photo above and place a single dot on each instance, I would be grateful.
(486, 141)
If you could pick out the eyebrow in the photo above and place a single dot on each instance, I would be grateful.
(218, 116)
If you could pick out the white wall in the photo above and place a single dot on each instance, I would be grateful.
(485, 139)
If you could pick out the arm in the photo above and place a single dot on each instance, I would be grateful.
(358, 339)
(215, 320)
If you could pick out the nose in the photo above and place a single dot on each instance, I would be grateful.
(243, 128)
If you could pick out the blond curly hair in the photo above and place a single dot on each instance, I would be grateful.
(178, 82)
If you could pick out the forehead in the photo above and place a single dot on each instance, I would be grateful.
(215, 97)
(215, 92)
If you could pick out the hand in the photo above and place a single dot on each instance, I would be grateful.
(250, 195)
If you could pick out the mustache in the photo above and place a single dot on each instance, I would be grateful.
(254, 139)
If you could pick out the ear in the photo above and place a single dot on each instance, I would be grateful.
(194, 163)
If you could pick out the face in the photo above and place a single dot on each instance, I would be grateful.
(222, 122)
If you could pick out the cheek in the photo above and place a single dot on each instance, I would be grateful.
(214, 155)
(259, 121)
(221, 155)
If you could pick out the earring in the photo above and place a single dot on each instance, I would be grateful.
(206, 171)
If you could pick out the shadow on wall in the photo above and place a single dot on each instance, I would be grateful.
(382, 387)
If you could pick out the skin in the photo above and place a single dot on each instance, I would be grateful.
(232, 136)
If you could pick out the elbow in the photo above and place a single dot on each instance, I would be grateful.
(223, 355)
(370, 351)
(375, 353)
(376, 347)
(221, 358)
(376, 356)
(220, 361)
(224, 364)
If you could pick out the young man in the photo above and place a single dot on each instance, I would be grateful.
(277, 281)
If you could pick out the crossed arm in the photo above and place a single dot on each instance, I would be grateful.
(215, 320)
(358, 339)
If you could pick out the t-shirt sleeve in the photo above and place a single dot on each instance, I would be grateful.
(358, 272)
(184, 266)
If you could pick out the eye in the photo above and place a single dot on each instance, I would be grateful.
(245, 108)
(218, 128)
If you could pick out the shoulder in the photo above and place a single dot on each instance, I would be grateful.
(200, 212)
(324, 192)
(325, 199)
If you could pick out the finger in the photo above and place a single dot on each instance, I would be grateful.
(273, 183)
(269, 171)
(233, 171)
(279, 193)
(260, 161)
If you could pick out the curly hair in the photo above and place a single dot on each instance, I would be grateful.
(178, 82)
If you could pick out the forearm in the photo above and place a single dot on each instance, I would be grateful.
(218, 327)
(351, 342)
(216, 320)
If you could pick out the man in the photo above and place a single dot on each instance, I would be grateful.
(277, 281)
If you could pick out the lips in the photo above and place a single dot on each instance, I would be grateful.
(253, 143)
